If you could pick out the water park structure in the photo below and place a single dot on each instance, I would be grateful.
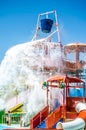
(64, 80)
(71, 99)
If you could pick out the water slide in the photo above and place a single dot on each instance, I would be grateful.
(17, 108)
(19, 99)
(79, 122)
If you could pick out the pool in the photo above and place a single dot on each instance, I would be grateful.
(4, 126)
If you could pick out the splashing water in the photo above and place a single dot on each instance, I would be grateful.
(23, 70)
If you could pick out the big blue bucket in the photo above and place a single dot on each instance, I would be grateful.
(46, 25)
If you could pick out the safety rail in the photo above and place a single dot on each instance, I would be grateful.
(69, 65)
(13, 119)
(70, 106)
(38, 118)
(53, 118)
(74, 86)
(71, 102)
(71, 115)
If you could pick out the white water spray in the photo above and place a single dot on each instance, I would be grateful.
(23, 71)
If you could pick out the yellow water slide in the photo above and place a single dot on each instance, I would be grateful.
(17, 108)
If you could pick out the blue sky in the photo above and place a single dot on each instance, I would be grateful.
(18, 20)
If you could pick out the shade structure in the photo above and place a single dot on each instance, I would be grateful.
(72, 47)
(46, 25)
(78, 49)
(65, 79)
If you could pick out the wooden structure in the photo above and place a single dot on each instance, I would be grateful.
(78, 63)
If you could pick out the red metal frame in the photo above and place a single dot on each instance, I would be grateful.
(67, 110)
(38, 118)
(53, 118)
(71, 101)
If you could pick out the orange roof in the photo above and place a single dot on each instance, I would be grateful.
(64, 78)
(56, 78)
(76, 44)
(72, 47)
